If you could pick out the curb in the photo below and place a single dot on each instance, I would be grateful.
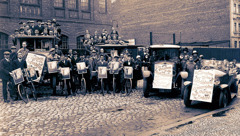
(191, 120)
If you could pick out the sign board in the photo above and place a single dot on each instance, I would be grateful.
(37, 62)
(203, 83)
(17, 76)
(52, 67)
(32, 75)
(114, 53)
(81, 67)
(128, 72)
(65, 72)
(163, 74)
(102, 72)
(114, 67)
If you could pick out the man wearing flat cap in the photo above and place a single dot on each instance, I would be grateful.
(5, 69)
(13, 55)
(39, 26)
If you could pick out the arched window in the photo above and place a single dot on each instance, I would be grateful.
(3, 41)
(64, 42)
(80, 40)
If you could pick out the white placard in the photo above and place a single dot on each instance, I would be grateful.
(163, 76)
(17, 76)
(52, 67)
(65, 72)
(203, 83)
(81, 67)
(37, 62)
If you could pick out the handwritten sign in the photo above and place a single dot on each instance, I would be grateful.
(81, 67)
(203, 83)
(102, 72)
(52, 67)
(163, 76)
(37, 62)
(114, 67)
(65, 72)
(17, 76)
(128, 72)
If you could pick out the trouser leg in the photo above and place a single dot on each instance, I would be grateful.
(4, 89)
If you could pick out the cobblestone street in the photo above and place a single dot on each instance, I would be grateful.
(92, 114)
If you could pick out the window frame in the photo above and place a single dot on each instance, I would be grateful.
(6, 40)
(100, 11)
(39, 5)
(63, 7)
(67, 46)
(79, 41)
(86, 10)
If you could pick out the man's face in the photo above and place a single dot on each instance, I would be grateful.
(75, 55)
(195, 55)
(6, 56)
(102, 51)
(24, 44)
(16, 32)
(13, 50)
(102, 58)
(19, 55)
(39, 23)
(56, 46)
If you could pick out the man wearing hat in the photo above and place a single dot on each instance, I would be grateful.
(5, 69)
(92, 66)
(137, 71)
(13, 55)
(39, 26)
(74, 74)
(195, 56)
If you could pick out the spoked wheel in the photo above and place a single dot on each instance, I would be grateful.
(83, 86)
(23, 92)
(33, 91)
(114, 86)
(102, 87)
(223, 99)
(128, 86)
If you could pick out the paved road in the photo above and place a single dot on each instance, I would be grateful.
(92, 114)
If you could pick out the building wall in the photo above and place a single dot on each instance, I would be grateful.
(196, 20)
(93, 20)
(235, 23)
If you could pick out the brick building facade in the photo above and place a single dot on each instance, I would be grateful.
(74, 16)
(190, 20)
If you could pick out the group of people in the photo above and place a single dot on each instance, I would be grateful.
(93, 61)
(11, 61)
(37, 28)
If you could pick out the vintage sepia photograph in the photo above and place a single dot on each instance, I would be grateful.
(119, 67)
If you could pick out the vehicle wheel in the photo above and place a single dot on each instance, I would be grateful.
(186, 96)
(114, 87)
(223, 99)
(83, 86)
(33, 91)
(128, 86)
(102, 87)
(22, 91)
(145, 91)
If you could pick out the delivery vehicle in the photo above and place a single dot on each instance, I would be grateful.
(216, 82)
(162, 75)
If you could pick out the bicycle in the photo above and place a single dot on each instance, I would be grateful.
(24, 87)
(128, 76)
(65, 75)
(83, 86)
(114, 71)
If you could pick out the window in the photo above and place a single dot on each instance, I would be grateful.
(235, 44)
(30, 8)
(235, 8)
(58, 4)
(72, 4)
(3, 41)
(238, 27)
(64, 42)
(238, 8)
(80, 40)
(85, 6)
(102, 6)
(235, 27)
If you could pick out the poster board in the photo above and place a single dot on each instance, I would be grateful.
(17, 76)
(32, 75)
(114, 53)
(102, 72)
(163, 74)
(114, 67)
(128, 72)
(65, 72)
(203, 83)
(37, 62)
(52, 67)
(81, 67)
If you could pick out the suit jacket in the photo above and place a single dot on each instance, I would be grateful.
(65, 63)
(128, 63)
(17, 64)
(5, 68)
(13, 56)
(102, 63)
(74, 61)
(39, 28)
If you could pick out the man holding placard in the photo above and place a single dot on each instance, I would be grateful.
(103, 63)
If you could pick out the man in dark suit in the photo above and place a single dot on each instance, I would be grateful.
(92, 67)
(103, 63)
(5, 69)
(19, 62)
(67, 63)
(39, 27)
(74, 73)
(13, 55)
